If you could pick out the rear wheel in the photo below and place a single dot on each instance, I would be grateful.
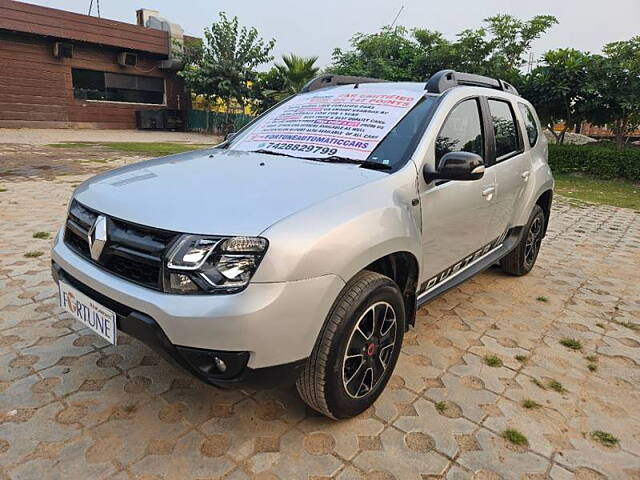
(521, 259)
(357, 349)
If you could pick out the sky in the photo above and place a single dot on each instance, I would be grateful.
(317, 27)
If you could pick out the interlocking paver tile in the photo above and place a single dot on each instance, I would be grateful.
(463, 394)
(412, 371)
(491, 378)
(244, 428)
(543, 427)
(405, 456)
(610, 462)
(361, 433)
(73, 407)
(313, 454)
(194, 457)
(441, 427)
(496, 456)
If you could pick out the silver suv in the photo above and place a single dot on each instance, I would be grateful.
(300, 248)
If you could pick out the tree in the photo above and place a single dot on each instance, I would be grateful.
(557, 88)
(389, 54)
(265, 89)
(496, 50)
(224, 66)
(282, 81)
(512, 38)
(468, 54)
(297, 71)
(613, 88)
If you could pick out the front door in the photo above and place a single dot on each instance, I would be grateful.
(455, 214)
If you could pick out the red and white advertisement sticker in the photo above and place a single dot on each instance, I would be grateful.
(324, 123)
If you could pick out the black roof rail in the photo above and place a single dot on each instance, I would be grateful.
(330, 80)
(446, 79)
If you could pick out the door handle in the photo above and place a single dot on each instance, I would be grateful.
(525, 175)
(488, 192)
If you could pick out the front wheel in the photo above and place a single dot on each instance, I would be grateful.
(521, 259)
(357, 349)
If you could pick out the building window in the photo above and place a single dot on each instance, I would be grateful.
(116, 87)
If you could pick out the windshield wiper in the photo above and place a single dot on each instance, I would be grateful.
(271, 152)
(363, 163)
(331, 159)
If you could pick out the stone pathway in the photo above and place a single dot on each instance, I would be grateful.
(73, 407)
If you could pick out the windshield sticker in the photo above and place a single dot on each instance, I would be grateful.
(323, 124)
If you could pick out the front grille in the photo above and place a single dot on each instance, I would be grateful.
(132, 251)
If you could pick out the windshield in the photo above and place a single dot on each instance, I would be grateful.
(364, 125)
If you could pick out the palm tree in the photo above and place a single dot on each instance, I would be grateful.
(297, 71)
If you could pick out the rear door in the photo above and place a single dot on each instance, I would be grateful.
(508, 163)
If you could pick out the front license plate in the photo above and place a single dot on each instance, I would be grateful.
(98, 318)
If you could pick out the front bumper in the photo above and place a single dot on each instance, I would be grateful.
(268, 329)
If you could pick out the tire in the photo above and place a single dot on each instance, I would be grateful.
(522, 258)
(328, 382)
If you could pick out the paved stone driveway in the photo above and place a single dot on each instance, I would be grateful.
(73, 407)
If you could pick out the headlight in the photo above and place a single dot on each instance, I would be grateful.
(199, 264)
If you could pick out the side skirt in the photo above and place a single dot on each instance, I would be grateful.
(494, 252)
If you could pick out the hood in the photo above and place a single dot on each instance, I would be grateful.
(218, 192)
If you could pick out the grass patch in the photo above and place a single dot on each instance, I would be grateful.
(629, 325)
(538, 383)
(529, 404)
(34, 254)
(600, 324)
(2, 190)
(521, 358)
(556, 386)
(542, 298)
(571, 343)
(492, 361)
(514, 436)
(154, 149)
(604, 438)
(593, 362)
(150, 149)
(71, 145)
(42, 235)
(619, 193)
(441, 406)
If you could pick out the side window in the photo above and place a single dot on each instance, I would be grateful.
(504, 124)
(462, 131)
(529, 123)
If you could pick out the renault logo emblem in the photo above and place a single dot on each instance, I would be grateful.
(97, 237)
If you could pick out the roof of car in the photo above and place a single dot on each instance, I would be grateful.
(438, 83)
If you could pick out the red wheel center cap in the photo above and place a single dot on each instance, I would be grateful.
(371, 349)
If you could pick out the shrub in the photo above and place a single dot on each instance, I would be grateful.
(601, 160)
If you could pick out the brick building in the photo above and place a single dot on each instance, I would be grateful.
(65, 70)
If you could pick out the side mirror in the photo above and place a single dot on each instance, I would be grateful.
(229, 136)
(457, 166)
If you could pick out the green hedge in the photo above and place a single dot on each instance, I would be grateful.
(600, 160)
